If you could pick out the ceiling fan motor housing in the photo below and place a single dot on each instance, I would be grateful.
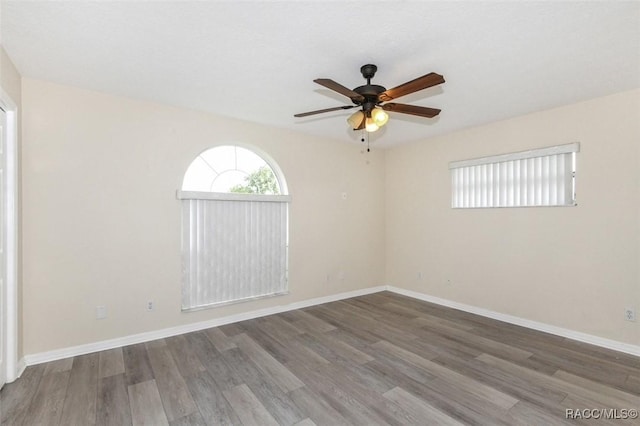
(369, 91)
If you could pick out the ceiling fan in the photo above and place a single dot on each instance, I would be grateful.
(370, 98)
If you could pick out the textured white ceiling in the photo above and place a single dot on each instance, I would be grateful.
(257, 60)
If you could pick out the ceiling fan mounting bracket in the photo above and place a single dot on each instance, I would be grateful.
(368, 71)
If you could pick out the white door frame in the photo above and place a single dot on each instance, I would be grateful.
(11, 227)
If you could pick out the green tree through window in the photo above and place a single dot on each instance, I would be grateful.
(262, 181)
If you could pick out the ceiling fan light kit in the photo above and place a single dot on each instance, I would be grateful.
(370, 125)
(379, 116)
(355, 119)
(370, 97)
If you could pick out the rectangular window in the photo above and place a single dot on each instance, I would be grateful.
(540, 177)
(234, 247)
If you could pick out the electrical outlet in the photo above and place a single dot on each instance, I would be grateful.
(150, 305)
(630, 314)
(101, 312)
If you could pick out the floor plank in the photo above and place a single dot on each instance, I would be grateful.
(340, 397)
(333, 349)
(268, 364)
(248, 408)
(82, 391)
(633, 384)
(194, 419)
(514, 385)
(419, 408)
(15, 397)
(309, 323)
(526, 414)
(146, 406)
(176, 399)
(213, 361)
(604, 390)
(444, 398)
(136, 364)
(113, 407)
(58, 366)
(557, 383)
(46, 405)
(185, 356)
(111, 363)
(212, 405)
(274, 399)
(219, 339)
(316, 407)
(460, 381)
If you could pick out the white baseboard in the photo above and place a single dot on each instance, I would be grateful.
(551, 329)
(42, 357)
(12, 376)
(48, 356)
(22, 364)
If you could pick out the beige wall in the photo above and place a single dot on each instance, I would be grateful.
(9, 77)
(572, 267)
(102, 224)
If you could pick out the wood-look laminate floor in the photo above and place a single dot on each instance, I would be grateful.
(376, 359)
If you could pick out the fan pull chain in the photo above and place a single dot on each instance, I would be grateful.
(362, 139)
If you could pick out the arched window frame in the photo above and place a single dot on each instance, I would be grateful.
(273, 165)
(254, 225)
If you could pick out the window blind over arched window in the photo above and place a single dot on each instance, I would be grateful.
(235, 228)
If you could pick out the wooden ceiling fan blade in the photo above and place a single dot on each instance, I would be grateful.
(411, 109)
(420, 83)
(320, 111)
(337, 87)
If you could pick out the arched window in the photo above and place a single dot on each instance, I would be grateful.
(235, 228)
(231, 169)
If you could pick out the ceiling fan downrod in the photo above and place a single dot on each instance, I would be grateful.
(369, 91)
(368, 71)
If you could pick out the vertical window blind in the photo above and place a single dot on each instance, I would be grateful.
(234, 247)
(541, 177)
